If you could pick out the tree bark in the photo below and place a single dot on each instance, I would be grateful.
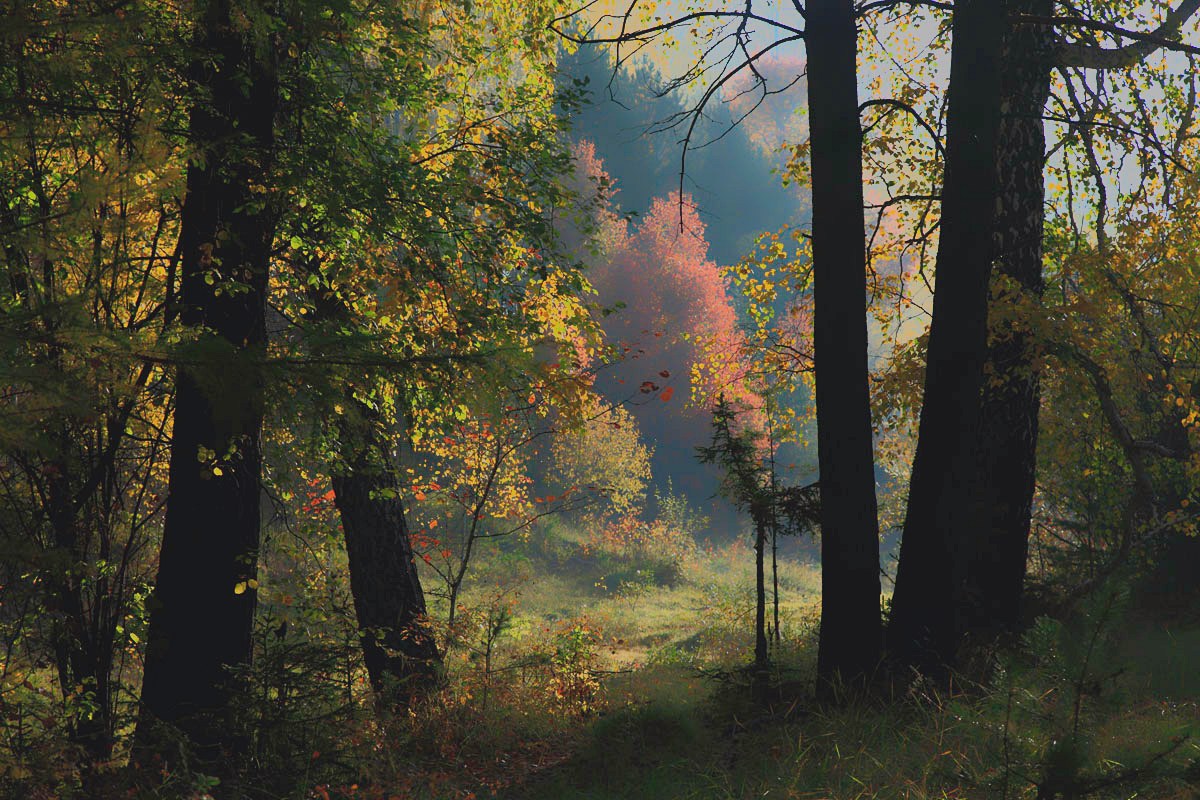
(398, 649)
(83, 646)
(1008, 432)
(923, 632)
(202, 610)
(762, 660)
(850, 638)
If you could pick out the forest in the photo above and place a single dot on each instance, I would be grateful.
(568, 399)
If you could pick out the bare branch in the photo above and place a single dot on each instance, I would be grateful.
(887, 5)
(912, 112)
(1074, 54)
(641, 34)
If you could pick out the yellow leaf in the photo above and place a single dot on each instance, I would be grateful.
(239, 587)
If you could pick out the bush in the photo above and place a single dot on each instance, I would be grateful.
(654, 548)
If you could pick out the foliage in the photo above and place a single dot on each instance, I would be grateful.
(606, 455)
(658, 549)
(634, 127)
(672, 327)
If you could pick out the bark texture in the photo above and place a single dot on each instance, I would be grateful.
(850, 638)
(1008, 432)
(202, 609)
(924, 626)
(399, 650)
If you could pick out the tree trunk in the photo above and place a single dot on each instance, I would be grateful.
(1007, 445)
(775, 578)
(202, 610)
(850, 636)
(83, 654)
(399, 651)
(761, 658)
(924, 627)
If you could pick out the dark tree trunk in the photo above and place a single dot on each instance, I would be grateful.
(761, 656)
(83, 653)
(924, 628)
(399, 650)
(1008, 429)
(202, 610)
(775, 579)
(850, 636)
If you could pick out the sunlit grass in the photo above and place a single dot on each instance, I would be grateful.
(663, 731)
(706, 616)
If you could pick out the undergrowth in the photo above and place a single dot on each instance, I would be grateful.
(557, 686)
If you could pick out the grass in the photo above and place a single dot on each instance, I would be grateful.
(662, 731)
(587, 691)
(707, 614)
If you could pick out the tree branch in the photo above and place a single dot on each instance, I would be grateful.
(887, 5)
(912, 112)
(1074, 54)
(642, 33)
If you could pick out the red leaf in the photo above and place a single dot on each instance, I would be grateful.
(667, 393)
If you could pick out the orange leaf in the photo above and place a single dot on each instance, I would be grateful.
(667, 393)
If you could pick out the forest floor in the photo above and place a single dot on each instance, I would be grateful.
(578, 671)
(646, 698)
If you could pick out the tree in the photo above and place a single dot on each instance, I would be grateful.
(922, 630)
(1002, 487)
(202, 611)
(851, 638)
(606, 455)
(86, 253)
(748, 485)
(418, 236)
(634, 124)
(674, 328)
(1116, 351)
(1005, 479)
(851, 633)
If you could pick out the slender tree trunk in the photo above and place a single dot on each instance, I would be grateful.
(761, 658)
(924, 628)
(1007, 446)
(850, 638)
(399, 650)
(82, 657)
(775, 577)
(202, 610)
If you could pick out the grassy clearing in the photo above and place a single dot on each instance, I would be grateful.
(1116, 718)
(701, 615)
(579, 672)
